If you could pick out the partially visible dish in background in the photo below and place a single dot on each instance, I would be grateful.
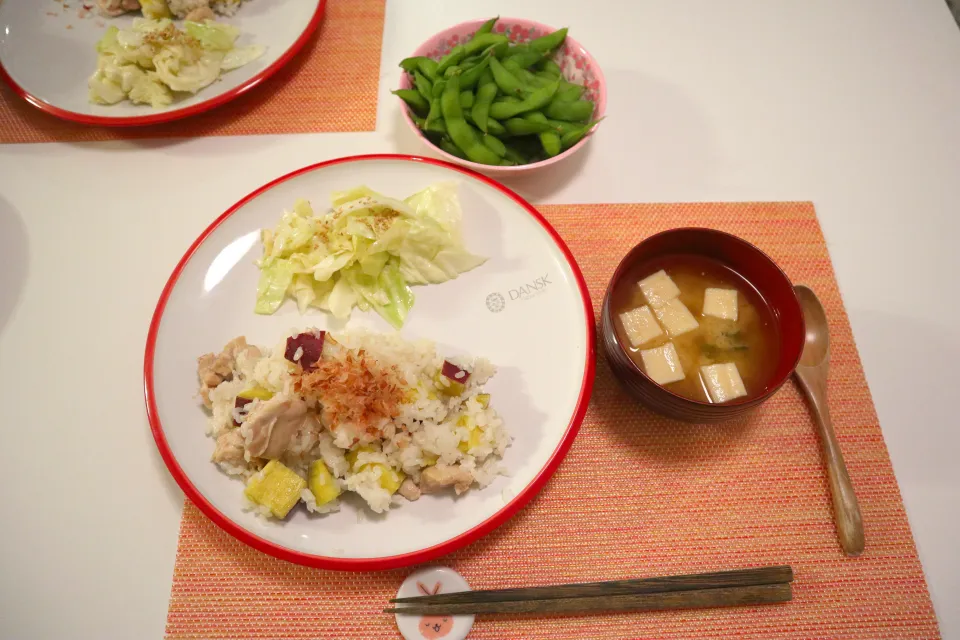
(365, 252)
(527, 95)
(196, 10)
(372, 414)
(153, 61)
(64, 30)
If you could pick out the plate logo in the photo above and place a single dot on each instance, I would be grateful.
(527, 290)
(496, 302)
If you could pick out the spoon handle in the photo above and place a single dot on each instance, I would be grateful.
(846, 509)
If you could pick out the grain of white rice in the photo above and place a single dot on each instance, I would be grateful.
(366, 482)
(332, 456)
(311, 503)
(235, 469)
(223, 398)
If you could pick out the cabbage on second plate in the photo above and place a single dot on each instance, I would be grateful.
(153, 60)
(366, 252)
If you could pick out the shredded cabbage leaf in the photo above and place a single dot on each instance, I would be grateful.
(366, 252)
(213, 36)
(153, 60)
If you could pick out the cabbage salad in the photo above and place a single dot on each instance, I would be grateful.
(154, 60)
(366, 252)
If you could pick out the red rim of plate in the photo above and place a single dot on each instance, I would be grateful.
(176, 114)
(385, 562)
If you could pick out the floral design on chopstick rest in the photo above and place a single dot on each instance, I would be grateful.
(575, 66)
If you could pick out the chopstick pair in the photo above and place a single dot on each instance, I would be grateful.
(765, 585)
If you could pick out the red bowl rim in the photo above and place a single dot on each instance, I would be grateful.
(476, 166)
(626, 262)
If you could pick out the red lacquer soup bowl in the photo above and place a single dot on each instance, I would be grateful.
(763, 282)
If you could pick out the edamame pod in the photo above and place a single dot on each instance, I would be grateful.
(481, 107)
(461, 132)
(486, 27)
(569, 111)
(551, 143)
(450, 60)
(414, 100)
(549, 42)
(535, 100)
(424, 86)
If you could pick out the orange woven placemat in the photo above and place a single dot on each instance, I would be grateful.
(638, 495)
(330, 85)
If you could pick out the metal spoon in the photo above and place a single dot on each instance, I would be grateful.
(812, 375)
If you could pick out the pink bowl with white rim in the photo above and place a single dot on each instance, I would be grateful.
(577, 64)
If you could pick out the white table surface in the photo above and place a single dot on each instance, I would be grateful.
(854, 105)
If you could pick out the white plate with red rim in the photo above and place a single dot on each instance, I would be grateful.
(48, 51)
(527, 309)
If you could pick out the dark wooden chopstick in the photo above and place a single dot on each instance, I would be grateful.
(693, 599)
(715, 580)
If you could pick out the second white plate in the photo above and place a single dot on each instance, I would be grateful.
(48, 51)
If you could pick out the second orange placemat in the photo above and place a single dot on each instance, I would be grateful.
(638, 495)
(330, 85)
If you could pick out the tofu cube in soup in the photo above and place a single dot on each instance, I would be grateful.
(709, 314)
(675, 317)
(720, 303)
(640, 325)
(662, 364)
(723, 382)
(659, 288)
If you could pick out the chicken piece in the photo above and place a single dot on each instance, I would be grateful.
(239, 345)
(200, 14)
(213, 369)
(439, 476)
(113, 8)
(409, 489)
(271, 425)
(229, 448)
(180, 8)
(308, 435)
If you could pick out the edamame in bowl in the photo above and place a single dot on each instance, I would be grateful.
(503, 95)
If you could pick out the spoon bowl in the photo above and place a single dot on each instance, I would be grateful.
(816, 348)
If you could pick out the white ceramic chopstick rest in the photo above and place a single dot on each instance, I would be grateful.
(427, 582)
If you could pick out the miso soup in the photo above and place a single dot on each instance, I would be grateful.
(687, 348)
